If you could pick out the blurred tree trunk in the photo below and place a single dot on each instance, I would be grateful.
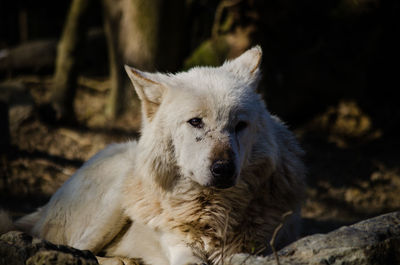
(146, 34)
(68, 53)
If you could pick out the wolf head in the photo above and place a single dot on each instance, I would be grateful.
(203, 122)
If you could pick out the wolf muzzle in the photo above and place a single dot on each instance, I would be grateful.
(224, 173)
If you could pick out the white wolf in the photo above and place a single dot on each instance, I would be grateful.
(210, 176)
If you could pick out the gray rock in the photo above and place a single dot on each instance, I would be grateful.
(18, 248)
(370, 242)
(373, 241)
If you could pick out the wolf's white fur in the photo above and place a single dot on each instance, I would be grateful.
(155, 199)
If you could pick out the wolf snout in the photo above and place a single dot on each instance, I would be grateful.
(224, 173)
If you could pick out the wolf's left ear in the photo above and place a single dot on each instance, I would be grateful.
(149, 90)
(246, 65)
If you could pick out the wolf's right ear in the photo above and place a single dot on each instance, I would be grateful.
(149, 91)
(247, 65)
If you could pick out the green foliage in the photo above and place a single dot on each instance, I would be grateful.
(210, 52)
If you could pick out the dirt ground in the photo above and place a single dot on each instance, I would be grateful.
(354, 169)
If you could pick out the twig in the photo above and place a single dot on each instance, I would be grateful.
(272, 242)
(277, 229)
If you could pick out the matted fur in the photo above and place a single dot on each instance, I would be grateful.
(155, 199)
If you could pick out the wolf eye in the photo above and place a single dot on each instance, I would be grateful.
(240, 126)
(196, 122)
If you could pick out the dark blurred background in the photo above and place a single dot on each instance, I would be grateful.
(330, 70)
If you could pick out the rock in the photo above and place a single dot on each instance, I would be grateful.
(373, 241)
(18, 248)
(52, 257)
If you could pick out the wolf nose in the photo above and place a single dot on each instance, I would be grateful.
(223, 172)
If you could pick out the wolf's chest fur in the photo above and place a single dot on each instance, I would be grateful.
(215, 223)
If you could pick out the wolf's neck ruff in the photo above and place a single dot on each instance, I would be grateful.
(216, 222)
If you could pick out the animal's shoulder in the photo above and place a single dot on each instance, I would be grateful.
(119, 153)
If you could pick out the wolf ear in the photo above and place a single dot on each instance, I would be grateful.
(246, 65)
(149, 91)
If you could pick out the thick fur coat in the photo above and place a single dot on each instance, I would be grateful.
(211, 175)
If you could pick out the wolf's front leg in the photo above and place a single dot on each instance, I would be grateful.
(178, 252)
(183, 255)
